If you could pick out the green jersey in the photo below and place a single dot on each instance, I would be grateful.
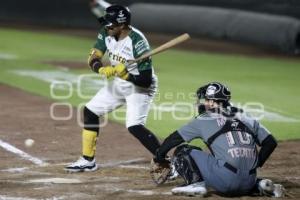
(129, 48)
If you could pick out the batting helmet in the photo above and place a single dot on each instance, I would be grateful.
(117, 15)
(215, 91)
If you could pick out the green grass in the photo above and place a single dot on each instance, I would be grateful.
(274, 83)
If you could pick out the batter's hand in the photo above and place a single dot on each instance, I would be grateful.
(121, 71)
(107, 71)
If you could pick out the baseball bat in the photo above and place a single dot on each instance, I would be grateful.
(163, 47)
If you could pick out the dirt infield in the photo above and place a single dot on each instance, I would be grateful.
(123, 172)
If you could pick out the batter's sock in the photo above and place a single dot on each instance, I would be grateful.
(89, 134)
(89, 139)
(146, 137)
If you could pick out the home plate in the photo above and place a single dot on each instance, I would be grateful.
(54, 180)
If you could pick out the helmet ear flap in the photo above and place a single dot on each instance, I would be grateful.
(201, 108)
(201, 92)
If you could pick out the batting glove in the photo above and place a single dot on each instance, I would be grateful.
(107, 71)
(121, 71)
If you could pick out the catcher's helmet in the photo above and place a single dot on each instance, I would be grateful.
(117, 15)
(215, 91)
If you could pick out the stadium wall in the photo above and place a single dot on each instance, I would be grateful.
(274, 31)
(67, 13)
(277, 7)
(280, 32)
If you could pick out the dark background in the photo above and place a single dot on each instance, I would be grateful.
(61, 12)
(276, 22)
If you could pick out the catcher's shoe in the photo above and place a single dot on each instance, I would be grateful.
(191, 190)
(82, 165)
(268, 188)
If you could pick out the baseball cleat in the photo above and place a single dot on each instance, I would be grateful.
(82, 165)
(191, 190)
(268, 188)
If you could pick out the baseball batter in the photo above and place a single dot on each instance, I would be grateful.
(132, 85)
(231, 137)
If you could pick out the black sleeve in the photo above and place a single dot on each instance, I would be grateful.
(268, 146)
(170, 142)
(144, 79)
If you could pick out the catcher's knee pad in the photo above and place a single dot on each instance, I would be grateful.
(91, 120)
(185, 164)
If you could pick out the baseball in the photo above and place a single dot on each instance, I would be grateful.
(29, 142)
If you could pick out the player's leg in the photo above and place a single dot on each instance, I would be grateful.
(221, 176)
(189, 171)
(138, 105)
(103, 102)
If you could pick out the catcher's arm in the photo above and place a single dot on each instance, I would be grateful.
(170, 142)
(268, 146)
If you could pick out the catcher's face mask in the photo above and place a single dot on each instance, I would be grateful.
(200, 93)
(213, 91)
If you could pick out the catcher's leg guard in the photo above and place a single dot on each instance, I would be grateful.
(185, 165)
(89, 134)
(146, 137)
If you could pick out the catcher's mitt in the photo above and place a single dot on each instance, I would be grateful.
(159, 172)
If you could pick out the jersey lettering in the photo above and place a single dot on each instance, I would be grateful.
(242, 152)
(230, 139)
(100, 37)
(116, 57)
(221, 121)
(243, 138)
(141, 47)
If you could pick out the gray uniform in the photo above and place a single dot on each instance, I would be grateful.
(230, 168)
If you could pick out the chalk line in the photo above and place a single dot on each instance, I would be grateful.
(6, 56)
(134, 167)
(55, 180)
(21, 153)
(110, 188)
(121, 164)
(3, 197)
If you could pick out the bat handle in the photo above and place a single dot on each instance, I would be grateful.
(130, 62)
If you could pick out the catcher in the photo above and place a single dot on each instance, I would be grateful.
(232, 138)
